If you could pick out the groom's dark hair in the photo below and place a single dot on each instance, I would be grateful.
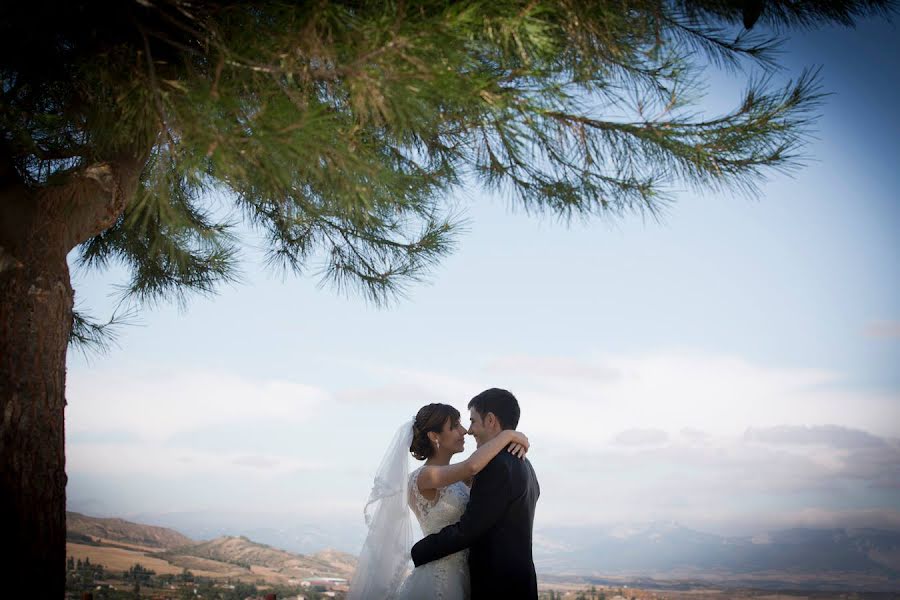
(500, 402)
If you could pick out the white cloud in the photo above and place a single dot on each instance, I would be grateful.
(725, 480)
(826, 435)
(257, 462)
(886, 518)
(553, 367)
(666, 438)
(695, 436)
(423, 387)
(641, 437)
(676, 391)
(153, 406)
(157, 460)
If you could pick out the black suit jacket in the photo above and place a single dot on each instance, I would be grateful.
(496, 527)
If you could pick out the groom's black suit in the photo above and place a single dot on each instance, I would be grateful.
(496, 527)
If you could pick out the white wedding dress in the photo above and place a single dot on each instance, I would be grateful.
(448, 577)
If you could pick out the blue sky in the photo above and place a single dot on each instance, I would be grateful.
(722, 367)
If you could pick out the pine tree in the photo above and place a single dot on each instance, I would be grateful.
(338, 129)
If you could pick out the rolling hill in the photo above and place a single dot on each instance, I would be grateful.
(126, 532)
(118, 544)
(257, 558)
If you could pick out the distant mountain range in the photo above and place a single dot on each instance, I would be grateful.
(838, 559)
(656, 554)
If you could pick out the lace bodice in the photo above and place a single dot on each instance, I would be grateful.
(446, 578)
(446, 509)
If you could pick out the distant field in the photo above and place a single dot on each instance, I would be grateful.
(121, 559)
(209, 567)
(126, 545)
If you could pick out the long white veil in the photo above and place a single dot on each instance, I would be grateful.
(385, 555)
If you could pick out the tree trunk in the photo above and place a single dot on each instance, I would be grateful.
(38, 228)
(35, 319)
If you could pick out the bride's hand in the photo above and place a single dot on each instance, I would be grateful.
(519, 444)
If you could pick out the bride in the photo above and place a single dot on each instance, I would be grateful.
(436, 492)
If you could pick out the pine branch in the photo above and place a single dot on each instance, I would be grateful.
(341, 131)
(171, 246)
(93, 337)
(720, 45)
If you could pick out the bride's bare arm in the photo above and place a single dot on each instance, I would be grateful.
(432, 477)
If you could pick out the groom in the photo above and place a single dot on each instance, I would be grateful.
(497, 524)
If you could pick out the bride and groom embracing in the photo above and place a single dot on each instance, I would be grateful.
(477, 515)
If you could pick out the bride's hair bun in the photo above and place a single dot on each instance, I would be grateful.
(431, 417)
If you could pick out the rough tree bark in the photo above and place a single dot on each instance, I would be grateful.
(38, 228)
